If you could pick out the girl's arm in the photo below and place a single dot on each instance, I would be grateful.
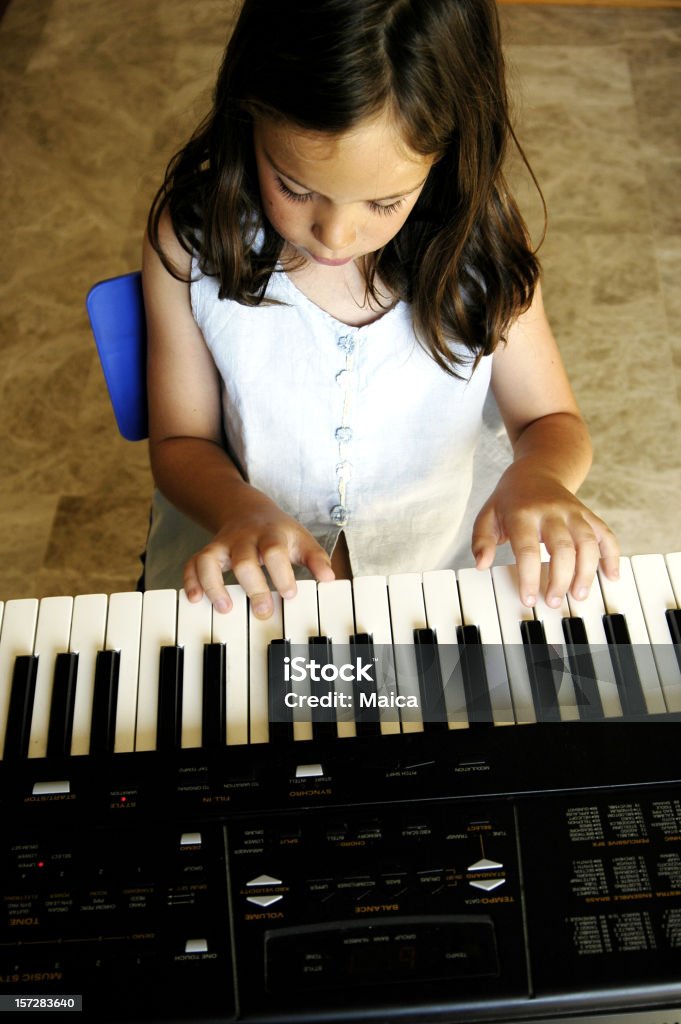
(535, 498)
(190, 464)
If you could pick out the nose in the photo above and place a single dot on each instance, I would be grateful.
(335, 229)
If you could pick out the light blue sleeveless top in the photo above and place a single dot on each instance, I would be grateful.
(345, 428)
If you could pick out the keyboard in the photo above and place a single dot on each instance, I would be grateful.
(398, 799)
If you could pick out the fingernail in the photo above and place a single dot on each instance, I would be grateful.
(554, 601)
(581, 593)
(261, 609)
(530, 599)
(221, 606)
(288, 594)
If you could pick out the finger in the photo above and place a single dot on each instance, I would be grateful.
(319, 564)
(586, 563)
(278, 565)
(203, 575)
(609, 547)
(246, 567)
(525, 547)
(563, 557)
(486, 537)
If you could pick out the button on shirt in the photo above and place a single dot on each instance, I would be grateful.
(346, 428)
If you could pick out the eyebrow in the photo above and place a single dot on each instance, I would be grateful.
(383, 199)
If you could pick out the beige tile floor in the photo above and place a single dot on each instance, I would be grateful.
(94, 97)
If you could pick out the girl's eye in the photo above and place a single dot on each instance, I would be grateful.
(297, 197)
(391, 208)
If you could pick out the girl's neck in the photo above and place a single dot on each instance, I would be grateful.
(340, 291)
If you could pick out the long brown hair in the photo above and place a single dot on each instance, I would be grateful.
(463, 258)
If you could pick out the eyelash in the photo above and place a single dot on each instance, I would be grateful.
(304, 197)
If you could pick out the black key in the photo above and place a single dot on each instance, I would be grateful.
(540, 670)
(281, 716)
(60, 728)
(673, 617)
(475, 684)
(323, 718)
(214, 706)
(365, 692)
(433, 708)
(20, 712)
(105, 702)
(582, 670)
(627, 678)
(169, 714)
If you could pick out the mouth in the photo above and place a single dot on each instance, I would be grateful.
(331, 263)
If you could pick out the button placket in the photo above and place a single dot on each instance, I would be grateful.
(339, 514)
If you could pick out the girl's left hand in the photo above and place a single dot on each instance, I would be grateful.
(526, 509)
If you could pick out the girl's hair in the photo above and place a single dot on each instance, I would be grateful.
(463, 258)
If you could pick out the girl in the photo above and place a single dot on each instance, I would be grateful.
(334, 274)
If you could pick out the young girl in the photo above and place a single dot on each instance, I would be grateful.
(334, 275)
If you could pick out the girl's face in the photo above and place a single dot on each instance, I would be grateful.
(336, 198)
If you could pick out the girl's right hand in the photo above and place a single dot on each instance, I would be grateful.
(257, 533)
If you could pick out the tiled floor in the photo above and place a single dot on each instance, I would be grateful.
(95, 97)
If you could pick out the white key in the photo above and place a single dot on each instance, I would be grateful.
(17, 638)
(232, 631)
(552, 620)
(443, 613)
(123, 628)
(407, 613)
(51, 638)
(159, 621)
(88, 629)
(478, 608)
(336, 620)
(621, 597)
(260, 634)
(591, 611)
(301, 621)
(673, 563)
(194, 630)
(372, 615)
(656, 595)
(511, 612)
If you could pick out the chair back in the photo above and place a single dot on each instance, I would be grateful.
(116, 311)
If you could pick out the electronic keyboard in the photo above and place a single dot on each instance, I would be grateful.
(401, 799)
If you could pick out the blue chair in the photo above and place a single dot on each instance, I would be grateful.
(116, 311)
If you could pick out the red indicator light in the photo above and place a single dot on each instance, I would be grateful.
(41, 863)
(124, 799)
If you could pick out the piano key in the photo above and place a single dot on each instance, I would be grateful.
(431, 688)
(590, 612)
(673, 617)
(51, 638)
(60, 728)
(552, 621)
(261, 632)
(673, 563)
(214, 696)
(478, 608)
(194, 631)
(159, 621)
(443, 615)
(621, 597)
(337, 621)
(301, 621)
(656, 595)
(626, 670)
(512, 612)
(169, 711)
(582, 668)
(20, 707)
(104, 703)
(372, 616)
(88, 629)
(407, 613)
(365, 691)
(474, 676)
(280, 714)
(123, 629)
(540, 671)
(323, 718)
(232, 631)
(16, 638)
